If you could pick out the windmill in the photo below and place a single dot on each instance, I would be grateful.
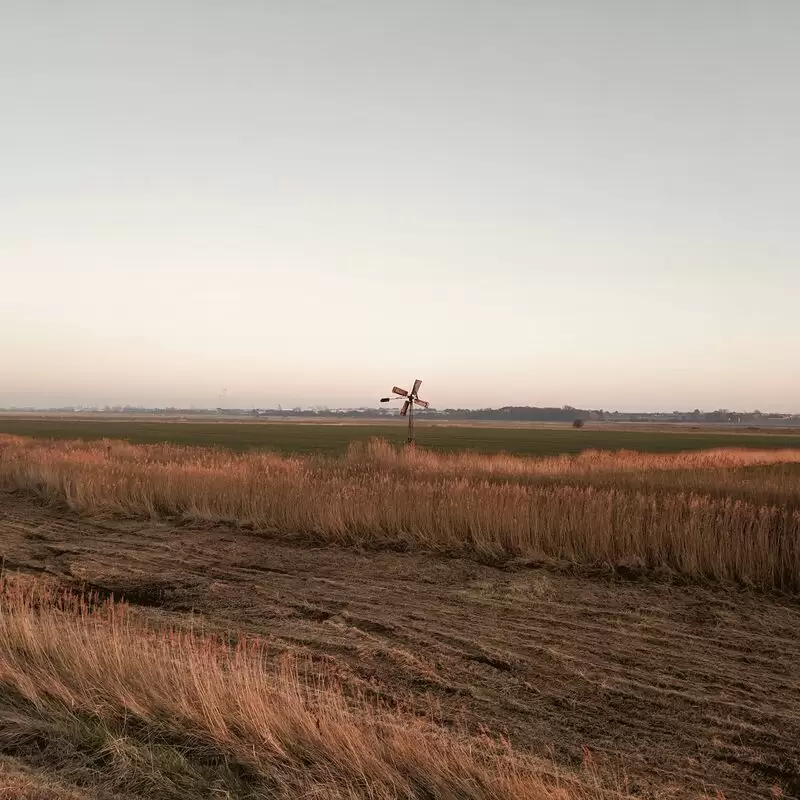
(410, 399)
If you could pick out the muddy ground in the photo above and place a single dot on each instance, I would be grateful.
(688, 689)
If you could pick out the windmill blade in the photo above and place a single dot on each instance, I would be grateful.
(417, 384)
(423, 403)
(399, 391)
(404, 409)
(385, 399)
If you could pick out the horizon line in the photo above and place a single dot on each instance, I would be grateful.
(323, 409)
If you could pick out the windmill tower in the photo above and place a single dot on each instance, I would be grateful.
(410, 399)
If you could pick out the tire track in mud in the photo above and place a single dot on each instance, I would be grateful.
(688, 689)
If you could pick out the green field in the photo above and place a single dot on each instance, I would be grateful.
(295, 437)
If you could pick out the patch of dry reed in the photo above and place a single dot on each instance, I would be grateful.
(156, 712)
(363, 499)
(465, 463)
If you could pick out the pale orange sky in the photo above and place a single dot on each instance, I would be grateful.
(520, 203)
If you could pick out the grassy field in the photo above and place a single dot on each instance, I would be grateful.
(709, 514)
(152, 712)
(469, 625)
(297, 437)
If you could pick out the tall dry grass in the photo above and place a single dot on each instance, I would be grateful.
(469, 463)
(762, 476)
(376, 497)
(108, 702)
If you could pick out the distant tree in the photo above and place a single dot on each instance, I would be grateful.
(577, 423)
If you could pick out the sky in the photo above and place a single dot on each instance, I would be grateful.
(304, 203)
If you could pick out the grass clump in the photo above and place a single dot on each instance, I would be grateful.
(97, 699)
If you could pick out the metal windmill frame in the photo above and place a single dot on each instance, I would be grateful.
(410, 399)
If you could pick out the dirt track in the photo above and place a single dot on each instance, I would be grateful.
(688, 689)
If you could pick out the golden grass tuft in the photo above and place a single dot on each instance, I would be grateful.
(104, 700)
(703, 515)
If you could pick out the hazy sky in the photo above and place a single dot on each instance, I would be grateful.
(594, 203)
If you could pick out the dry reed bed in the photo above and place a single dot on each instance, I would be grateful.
(379, 453)
(469, 463)
(762, 476)
(355, 501)
(143, 711)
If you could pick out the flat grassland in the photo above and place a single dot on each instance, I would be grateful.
(384, 623)
(335, 437)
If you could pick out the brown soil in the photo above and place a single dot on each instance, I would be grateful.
(686, 689)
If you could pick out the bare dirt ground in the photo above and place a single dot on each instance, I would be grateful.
(688, 689)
